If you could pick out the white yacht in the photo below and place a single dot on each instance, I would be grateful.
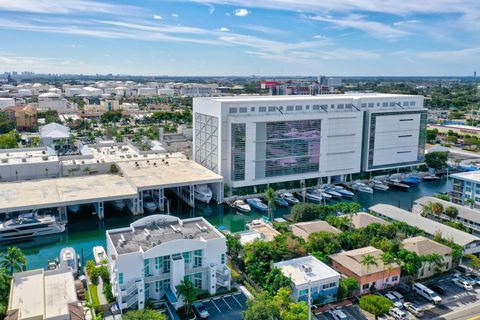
(313, 196)
(241, 206)
(149, 204)
(344, 192)
(119, 205)
(361, 187)
(287, 196)
(203, 193)
(324, 194)
(378, 185)
(99, 255)
(430, 177)
(30, 225)
(69, 260)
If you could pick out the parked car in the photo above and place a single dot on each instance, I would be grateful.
(438, 289)
(396, 302)
(414, 309)
(426, 293)
(397, 295)
(465, 278)
(200, 310)
(338, 314)
(404, 289)
(397, 314)
(462, 284)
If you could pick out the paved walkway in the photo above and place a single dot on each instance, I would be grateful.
(101, 296)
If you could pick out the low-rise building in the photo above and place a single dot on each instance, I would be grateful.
(370, 276)
(304, 229)
(309, 273)
(25, 117)
(466, 185)
(55, 136)
(364, 219)
(425, 247)
(149, 259)
(44, 295)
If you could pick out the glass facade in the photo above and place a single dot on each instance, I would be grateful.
(238, 152)
(287, 148)
(206, 141)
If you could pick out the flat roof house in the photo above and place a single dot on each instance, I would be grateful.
(424, 247)
(309, 272)
(377, 276)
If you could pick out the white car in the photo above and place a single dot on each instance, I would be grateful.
(462, 284)
(414, 309)
(396, 302)
(338, 314)
(398, 314)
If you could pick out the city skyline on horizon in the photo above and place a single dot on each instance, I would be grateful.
(241, 38)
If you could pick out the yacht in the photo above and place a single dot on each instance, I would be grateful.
(324, 194)
(344, 192)
(69, 260)
(30, 225)
(119, 205)
(333, 192)
(203, 193)
(289, 198)
(99, 255)
(362, 187)
(313, 196)
(241, 206)
(395, 183)
(281, 202)
(430, 177)
(74, 208)
(257, 204)
(378, 185)
(149, 204)
(412, 180)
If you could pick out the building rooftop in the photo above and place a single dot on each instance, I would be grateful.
(266, 231)
(304, 229)
(464, 212)
(304, 269)
(363, 219)
(27, 155)
(54, 130)
(423, 246)
(43, 294)
(429, 226)
(154, 230)
(472, 176)
(352, 260)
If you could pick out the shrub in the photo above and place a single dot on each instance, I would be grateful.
(375, 304)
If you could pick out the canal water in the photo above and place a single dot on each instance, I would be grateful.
(84, 231)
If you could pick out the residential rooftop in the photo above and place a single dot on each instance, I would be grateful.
(305, 269)
(154, 230)
(304, 229)
(364, 219)
(267, 232)
(464, 212)
(429, 226)
(472, 176)
(424, 246)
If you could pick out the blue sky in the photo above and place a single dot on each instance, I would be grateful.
(234, 37)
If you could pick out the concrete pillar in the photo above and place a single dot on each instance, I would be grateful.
(212, 279)
(329, 180)
(137, 204)
(62, 210)
(161, 199)
(100, 210)
(217, 189)
(191, 196)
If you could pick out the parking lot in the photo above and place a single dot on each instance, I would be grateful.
(351, 311)
(226, 307)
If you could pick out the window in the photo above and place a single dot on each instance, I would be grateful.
(340, 106)
(289, 108)
(166, 284)
(307, 107)
(280, 108)
(197, 258)
(332, 106)
(394, 278)
(405, 103)
(271, 109)
(371, 105)
(329, 285)
(197, 280)
(187, 256)
(243, 110)
(120, 278)
(405, 136)
(262, 109)
(166, 264)
(157, 286)
(147, 290)
(316, 107)
(158, 262)
(252, 109)
(222, 258)
(364, 105)
(365, 286)
(146, 267)
(392, 104)
(233, 110)
(384, 104)
(412, 103)
(406, 120)
(298, 108)
(303, 292)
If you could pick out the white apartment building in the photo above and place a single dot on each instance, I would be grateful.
(149, 259)
(466, 185)
(259, 140)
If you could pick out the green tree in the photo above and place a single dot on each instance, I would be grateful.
(275, 280)
(470, 202)
(375, 304)
(451, 212)
(326, 242)
(270, 196)
(473, 261)
(432, 134)
(436, 160)
(234, 247)
(262, 307)
(9, 140)
(187, 291)
(143, 314)
(368, 260)
(437, 209)
(409, 261)
(346, 287)
(434, 259)
(13, 260)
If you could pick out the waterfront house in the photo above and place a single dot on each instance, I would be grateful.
(309, 272)
(304, 229)
(373, 276)
(363, 219)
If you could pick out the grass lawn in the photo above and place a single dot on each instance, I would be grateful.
(94, 293)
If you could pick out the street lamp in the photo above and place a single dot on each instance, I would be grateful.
(309, 294)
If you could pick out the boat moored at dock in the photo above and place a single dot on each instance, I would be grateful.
(99, 255)
(203, 193)
(69, 260)
(30, 225)
(256, 203)
(241, 206)
(287, 196)
(361, 187)
(344, 192)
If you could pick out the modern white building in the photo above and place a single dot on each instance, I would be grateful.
(466, 185)
(309, 273)
(259, 140)
(55, 136)
(6, 102)
(149, 259)
(52, 101)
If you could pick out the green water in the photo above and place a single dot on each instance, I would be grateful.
(85, 231)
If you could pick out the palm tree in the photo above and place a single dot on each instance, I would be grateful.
(426, 210)
(387, 261)
(270, 198)
(369, 260)
(470, 202)
(451, 212)
(13, 260)
(437, 209)
(188, 292)
(433, 259)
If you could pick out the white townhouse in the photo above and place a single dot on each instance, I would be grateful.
(149, 259)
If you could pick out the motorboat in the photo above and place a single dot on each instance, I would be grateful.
(412, 180)
(203, 193)
(52, 265)
(430, 177)
(30, 225)
(149, 204)
(281, 202)
(289, 198)
(69, 260)
(324, 194)
(344, 192)
(362, 187)
(313, 196)
(99, 255)
(379, 185)
(241, 206)
(256, 203)
(332, 192)
(74, 208)
(395, 183)
(119, 205)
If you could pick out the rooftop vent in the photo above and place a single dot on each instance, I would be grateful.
(147, 234)
(44, 158)
(201, 228)
(4, 160)
(306, 268)
(24, 160)
(176, 229)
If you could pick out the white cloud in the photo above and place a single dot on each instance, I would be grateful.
(157, 17)
(241, 12)
(263, 29)
(318, 36)
(227, 14)
(174, 15)
(223, 29)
